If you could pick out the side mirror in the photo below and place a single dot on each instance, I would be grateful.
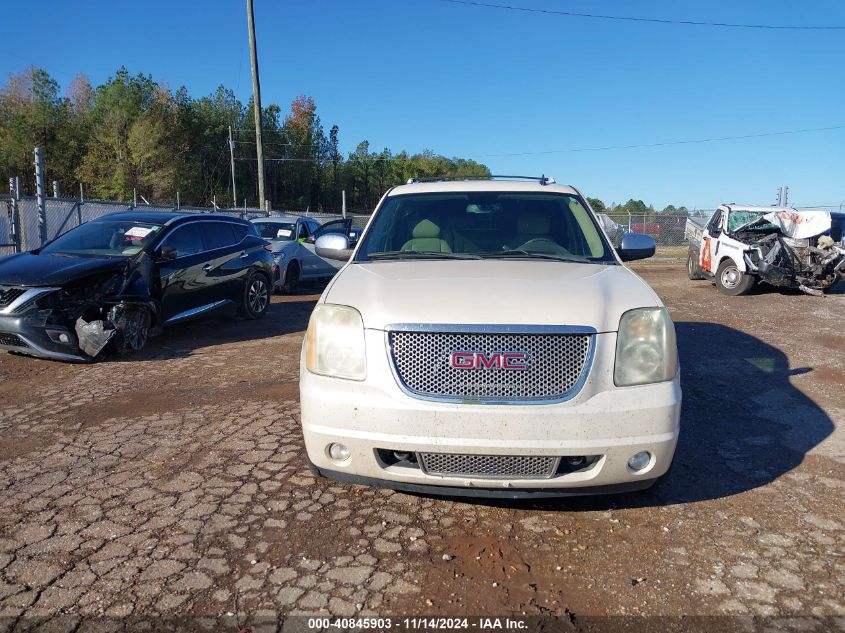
(636, 246)
(333, 246)
(310, 239)
(166, 254)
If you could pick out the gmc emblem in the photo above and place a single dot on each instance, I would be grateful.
(517, 361)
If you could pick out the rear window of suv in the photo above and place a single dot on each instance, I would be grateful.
(485, 224)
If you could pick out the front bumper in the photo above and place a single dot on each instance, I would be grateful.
(27, 333)
(606, 422)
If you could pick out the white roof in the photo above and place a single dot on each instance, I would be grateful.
(452, 186)
(756, 208)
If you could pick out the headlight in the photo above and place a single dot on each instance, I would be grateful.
(646, 351)
(334, 342)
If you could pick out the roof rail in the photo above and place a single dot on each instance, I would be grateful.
(543, 180)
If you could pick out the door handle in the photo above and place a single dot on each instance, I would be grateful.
(207, 267)
(244, 255)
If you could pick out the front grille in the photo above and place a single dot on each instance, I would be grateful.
(12, 340)
(9, 294)
(555, 364)
(492, 466)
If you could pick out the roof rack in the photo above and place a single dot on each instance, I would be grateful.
(543, 180)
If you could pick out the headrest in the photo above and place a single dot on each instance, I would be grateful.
(426, 228)
(533, 223)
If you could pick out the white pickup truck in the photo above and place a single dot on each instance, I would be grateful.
(485, 338)
(782, 246)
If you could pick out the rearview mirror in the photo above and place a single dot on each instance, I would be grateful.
(636, 246)
(167, 253)
(333, 246)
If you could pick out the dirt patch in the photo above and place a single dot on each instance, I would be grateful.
(174, 482)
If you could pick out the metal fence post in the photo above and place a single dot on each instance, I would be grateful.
(15, 215)
(39, 194)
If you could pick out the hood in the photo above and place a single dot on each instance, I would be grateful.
(800, 224)
(31, 269)
(492, 292)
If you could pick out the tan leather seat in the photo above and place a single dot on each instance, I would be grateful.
(426, 238)
(533, 225)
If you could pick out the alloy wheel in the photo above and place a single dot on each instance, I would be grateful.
(258, 296)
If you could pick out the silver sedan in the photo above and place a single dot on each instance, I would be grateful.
(292, 240)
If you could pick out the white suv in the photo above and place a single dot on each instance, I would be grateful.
(485, 338)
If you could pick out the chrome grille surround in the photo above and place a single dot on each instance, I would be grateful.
(8, 294)
(560, 358)
(489, 466)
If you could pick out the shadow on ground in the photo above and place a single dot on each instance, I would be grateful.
(284, 316)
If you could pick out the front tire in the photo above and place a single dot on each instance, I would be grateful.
(134, 330)
(730, 280)
(291, 284)
(256, 297)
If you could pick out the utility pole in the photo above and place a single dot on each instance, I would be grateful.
(256, 96)
(232, 162)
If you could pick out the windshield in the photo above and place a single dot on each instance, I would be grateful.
(104, 238)
(275, 230)
(737, 219)
(484, 225)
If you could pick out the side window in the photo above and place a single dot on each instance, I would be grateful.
(303, 231)
(219, 235)
(186, 240)
(714, 225)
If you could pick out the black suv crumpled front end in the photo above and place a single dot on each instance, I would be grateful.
(74, 321)
(29, 328)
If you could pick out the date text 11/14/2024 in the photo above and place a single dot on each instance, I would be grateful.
(418, 623)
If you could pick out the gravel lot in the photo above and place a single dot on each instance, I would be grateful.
(173, 484)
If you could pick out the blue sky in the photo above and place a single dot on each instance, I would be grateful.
(475, 82)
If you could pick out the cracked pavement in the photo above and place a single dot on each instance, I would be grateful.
(173, 484)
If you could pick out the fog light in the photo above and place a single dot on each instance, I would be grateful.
(338, 452)
(639, 460)
(64, 338)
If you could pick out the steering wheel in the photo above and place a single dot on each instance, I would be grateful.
(543, 245)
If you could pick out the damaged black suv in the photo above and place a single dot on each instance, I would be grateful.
(110, 283)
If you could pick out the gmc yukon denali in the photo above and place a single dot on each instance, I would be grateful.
(486, 339)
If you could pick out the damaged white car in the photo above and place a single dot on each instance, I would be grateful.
(742, 245)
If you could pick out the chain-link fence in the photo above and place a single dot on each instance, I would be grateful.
(667, 229)
(20, 229)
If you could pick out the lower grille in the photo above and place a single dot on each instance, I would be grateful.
(12, 340)
(489, 466)
(9, 294)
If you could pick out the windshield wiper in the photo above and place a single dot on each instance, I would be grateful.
(518, 254)
(420, 255)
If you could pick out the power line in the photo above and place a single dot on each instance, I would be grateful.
(685, 142)
(597, 16)
(606, 147)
